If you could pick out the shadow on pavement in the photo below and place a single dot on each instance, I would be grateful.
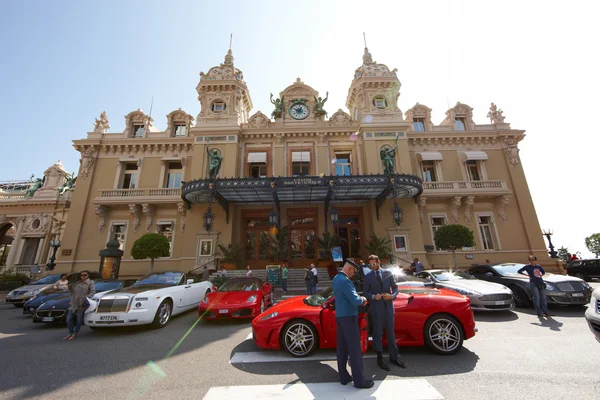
(50, 363)
(558, 311)
(501, 316)
(548, 322)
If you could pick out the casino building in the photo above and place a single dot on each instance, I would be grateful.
(230, 176)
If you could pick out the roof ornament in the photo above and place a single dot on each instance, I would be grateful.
(367, 58)
(229, 56)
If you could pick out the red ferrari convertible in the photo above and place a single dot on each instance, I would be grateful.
(438, 318)
(237, 298)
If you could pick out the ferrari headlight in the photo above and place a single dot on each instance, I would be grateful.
(205, 300)
(251, 299)
(269, 316)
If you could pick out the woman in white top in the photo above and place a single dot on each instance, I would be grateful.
(62, 284)
(249, 273)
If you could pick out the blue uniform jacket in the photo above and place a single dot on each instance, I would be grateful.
(378, 307)
(346, 298)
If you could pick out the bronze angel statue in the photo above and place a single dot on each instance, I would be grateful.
(319, 104)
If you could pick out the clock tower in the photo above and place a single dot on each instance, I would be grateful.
(299, 104)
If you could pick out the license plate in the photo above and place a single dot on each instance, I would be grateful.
(223, 311)
(47, 319)
(109, 318)
(499, 303)
(32, 309)
(577, 294)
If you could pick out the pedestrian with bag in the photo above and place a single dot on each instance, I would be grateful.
(309, 279)
(537, 286)
(347, 302)
(79, 303)
(380, 289)
(284, 277)
(316, 278)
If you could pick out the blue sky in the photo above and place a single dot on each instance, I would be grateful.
(64, 62)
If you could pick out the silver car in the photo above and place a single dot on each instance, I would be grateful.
(592, 314)
(485, 296)
(20, 295)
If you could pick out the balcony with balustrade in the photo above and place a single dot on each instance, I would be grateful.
(466, 188)
(138, 196)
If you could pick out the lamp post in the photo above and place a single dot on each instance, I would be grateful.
(110, 260)
(548, 233)
(208, 218)
(273, 218)
(397, 213)
(55, 244)
(334, 218)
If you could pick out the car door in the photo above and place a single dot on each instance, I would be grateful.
(194, 292)
(329, 325)
(406, 318)
(592, 268)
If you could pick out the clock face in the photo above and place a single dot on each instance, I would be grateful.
(299, 111)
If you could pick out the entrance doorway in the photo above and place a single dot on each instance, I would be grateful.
(303, 236)
(349, 232)
(30, 249)
(7, 235)
(256, 237)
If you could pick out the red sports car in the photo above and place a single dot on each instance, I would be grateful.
(237, 298)
(438, 318)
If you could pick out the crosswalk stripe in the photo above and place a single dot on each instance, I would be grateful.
(282, 356)
(405, 389)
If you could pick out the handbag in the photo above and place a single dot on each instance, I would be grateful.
(541, 286)
(85, 304)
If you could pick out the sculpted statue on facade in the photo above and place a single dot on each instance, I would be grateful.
(319, 103)
(215, 160)
(278, 111)
(102, 125)
(87, 162)
(340, 118)
(69, 184)
(387, 156)
(495, 115)
(512, 151)
(259, 120)
(36, 185)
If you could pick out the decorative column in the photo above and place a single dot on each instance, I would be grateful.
(12, 253)
(101, 212)
(136, 211)
(502, 201)
(422, 204)
(148, 211)
(454, 205)
(469, 202)
(182, 211)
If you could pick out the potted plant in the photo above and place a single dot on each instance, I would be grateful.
(328, 242)
(232, 255)
(380, 247)
(277, 245)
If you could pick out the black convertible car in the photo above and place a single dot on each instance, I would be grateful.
(55, 309)
(560, 289)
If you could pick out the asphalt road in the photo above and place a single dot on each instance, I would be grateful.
(514, 355)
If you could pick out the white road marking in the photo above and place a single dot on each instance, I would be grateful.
(405, 389)
(282, 356)
(249, 336)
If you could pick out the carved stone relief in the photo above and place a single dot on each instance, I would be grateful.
(511, 149)
(101, 212)
(502, 202)
(148, 211)
(182, 211)
(136, 211)
(340, 118)
(102, 125)
(87, 161)
(422, 208)
(259, 120)
(469, 202)
(454, 205)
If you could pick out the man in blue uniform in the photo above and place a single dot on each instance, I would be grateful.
(380, 289)
(347, 302)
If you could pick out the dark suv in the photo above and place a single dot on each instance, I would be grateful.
(584, 269)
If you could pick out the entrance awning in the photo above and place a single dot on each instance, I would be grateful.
(308, 189)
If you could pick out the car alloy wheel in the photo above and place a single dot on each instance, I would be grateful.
(520, 296)
(299, 338)
(443, 334)
(163, 314)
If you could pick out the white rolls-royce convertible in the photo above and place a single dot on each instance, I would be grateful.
(151, 300)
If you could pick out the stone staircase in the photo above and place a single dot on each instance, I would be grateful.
(295, 282)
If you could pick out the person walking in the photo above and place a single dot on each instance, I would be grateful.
(418, 265)
(222, 272)
(63, 283)
(537, 286)
(309, 279)
(284, 277)
(347, 302)
(205, 274)
(82, 289)
(380, 289)
(316, 278)
(248, 272)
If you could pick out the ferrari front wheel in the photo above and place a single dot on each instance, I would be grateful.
(443, 334)
(299, 338)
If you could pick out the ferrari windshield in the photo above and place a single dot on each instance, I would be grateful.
(239, 285)
(319, 298)
(47, 280)
(444, 276)
(507, 269)
(161, 278)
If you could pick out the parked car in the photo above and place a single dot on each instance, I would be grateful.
(54, 307)
(34, 302)
(151, 300)
(584, 269)
(560, 289)
(237, 298)
(20, 295)
(485, 296)
(440, 319)
(592, 314)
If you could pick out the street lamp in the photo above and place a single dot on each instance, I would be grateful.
(273, 217)
(548, 233)
(397, 213)
(208, 218)
(334, 216)
(55, 244)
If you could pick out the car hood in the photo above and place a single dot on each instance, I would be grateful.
(554, 278)
(33, 287)
(133, 290)
(292, 304)
(232, 298)
(44, 298)
(482, 287)
(60, 302)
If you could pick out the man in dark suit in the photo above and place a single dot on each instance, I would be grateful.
(347, 302)
(380, 289)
